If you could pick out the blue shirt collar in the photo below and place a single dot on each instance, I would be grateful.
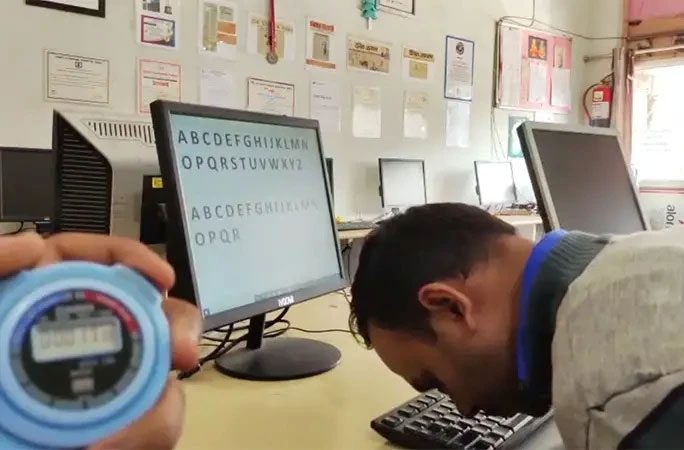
(534, 262)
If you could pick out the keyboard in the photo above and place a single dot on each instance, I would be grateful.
(431, 421)
(352, 226)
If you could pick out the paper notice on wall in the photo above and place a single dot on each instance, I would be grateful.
(157, 80)
(459, 66)
(418, 65)
(74, 78)
(258, 37)
(217, 88)
(320, 45)
(415, 115)
(218, 28)
(326, 106)
(370, 56)
(367, 112)
(458, 124)
(270, 97)
(158, 23)
(560, 88)
(538, 86)
(550, 117)
(511, 66)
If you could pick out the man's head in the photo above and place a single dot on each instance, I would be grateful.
(436, 294)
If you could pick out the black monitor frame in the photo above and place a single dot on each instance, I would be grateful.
(535, 168)
(9, 218)
(330, 173)
(381, 189)
(177, 247)
(476, 166)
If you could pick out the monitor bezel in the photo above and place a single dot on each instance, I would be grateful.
(476, 165)
(179, 252)
(22, 219)
(547, 210)
(382, 180)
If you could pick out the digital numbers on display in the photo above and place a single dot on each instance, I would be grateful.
(75, 339)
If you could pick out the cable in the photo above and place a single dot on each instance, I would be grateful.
(533, 20)
(331, 330)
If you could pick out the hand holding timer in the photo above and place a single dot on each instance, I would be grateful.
(84, 351)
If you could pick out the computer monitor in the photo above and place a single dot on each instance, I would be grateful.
(495, 183)
(251, 227)
(26, 181)
(581, 179)
(402, 183)
(329, 165)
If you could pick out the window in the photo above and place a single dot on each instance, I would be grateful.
(658, 120)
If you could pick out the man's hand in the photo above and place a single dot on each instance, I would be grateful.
(160, 428)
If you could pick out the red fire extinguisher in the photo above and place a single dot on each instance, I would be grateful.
(601, 105)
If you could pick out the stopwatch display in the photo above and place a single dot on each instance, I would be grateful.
(76, 349)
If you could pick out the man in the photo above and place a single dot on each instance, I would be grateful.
(452, 298)
(159, 428)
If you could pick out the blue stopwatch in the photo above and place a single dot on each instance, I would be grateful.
(84, 351)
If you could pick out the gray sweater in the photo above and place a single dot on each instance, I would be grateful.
(617, 349)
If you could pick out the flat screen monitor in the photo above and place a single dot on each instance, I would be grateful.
(581, 179)
(402, 183)
(495, 182)
(27, 183)
(254, 226)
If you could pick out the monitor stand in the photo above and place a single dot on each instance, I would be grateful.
(277, 359)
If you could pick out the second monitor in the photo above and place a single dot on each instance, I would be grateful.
(251, 228)
(402, 183)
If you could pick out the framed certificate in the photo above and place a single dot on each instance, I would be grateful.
(401, 7)
(89, 7)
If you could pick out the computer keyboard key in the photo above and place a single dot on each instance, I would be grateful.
(430, 417)
(448, 405)
(441, 411)
(497, 419)
(467, 423)
(407, 412)
(467, 438)
(518, 421)
(480, 429)
(418, 405)
(446, 422)
(392, 421)
(494, 439)
(420, 423)
(502, 431)
(488, 423)
(424, 404)
(452, 432)
(481, 445)
(436, 396)
(435, 428)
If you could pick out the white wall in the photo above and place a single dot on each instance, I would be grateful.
(25, 119)
(606, 20)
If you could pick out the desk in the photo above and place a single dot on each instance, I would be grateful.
(328, 412)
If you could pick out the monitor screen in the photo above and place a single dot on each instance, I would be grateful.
(27, 184)
(495, 183)
(402, 183)
(587, 181)
(258, 223)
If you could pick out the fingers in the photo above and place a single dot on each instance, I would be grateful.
(186, 326)
(159, 429)
(109, 250)
(19, 252)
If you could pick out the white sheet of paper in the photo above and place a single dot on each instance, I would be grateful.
(415, 114)
(367, 112)
(511, 67)
(271, 97)
(458, 124)
(561, 88)
(459, 68)
(326, 105)
(218, 28)
(157, 80)
(538, 90)
(550, 117)
(257, 37)
(74, 78)
(158, 23)
(217, 88)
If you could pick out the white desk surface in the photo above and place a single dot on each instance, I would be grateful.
(328, 412)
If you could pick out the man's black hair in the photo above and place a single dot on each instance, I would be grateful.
(423, 245)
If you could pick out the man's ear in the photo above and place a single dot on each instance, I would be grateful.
(448, 302)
